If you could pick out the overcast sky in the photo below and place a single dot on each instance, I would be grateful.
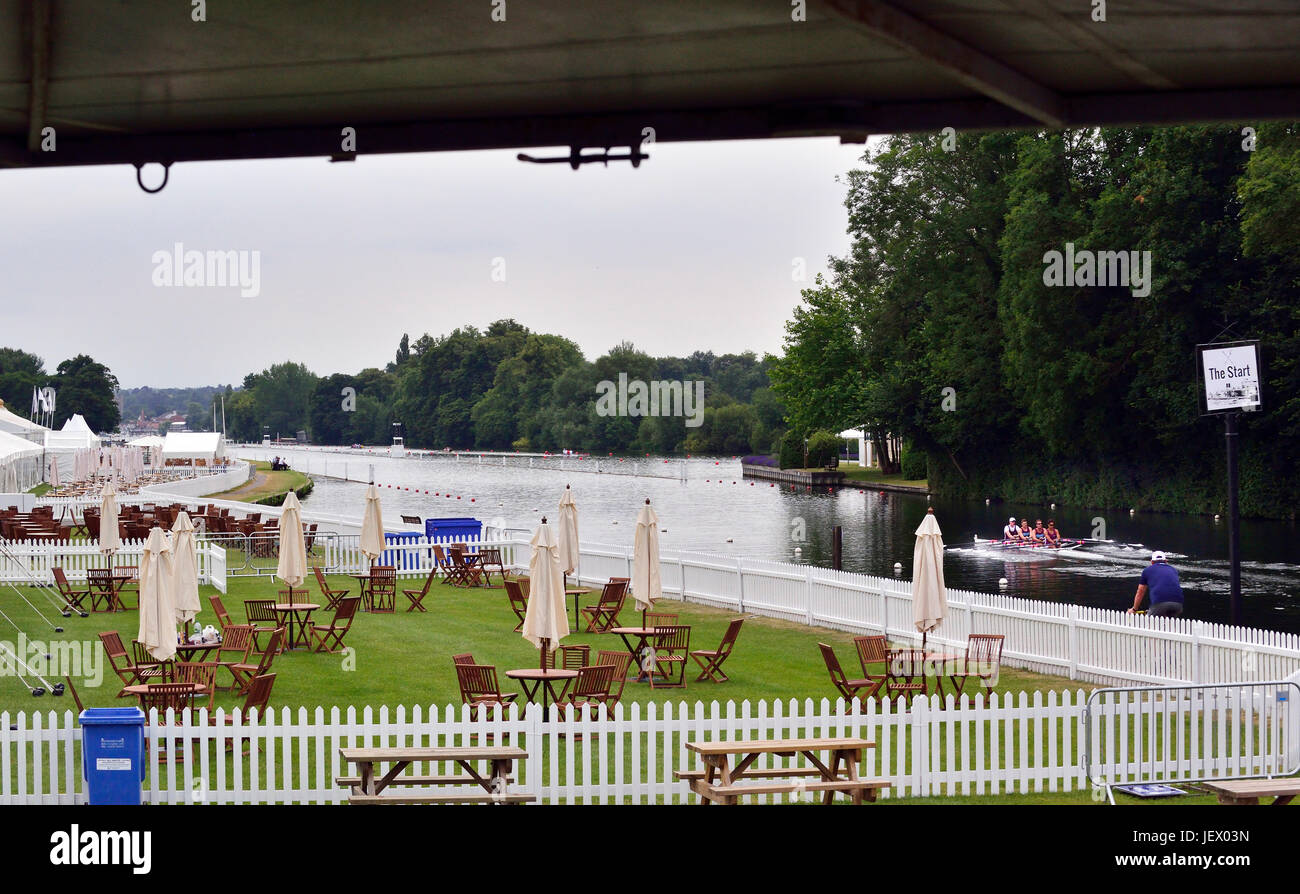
(692, 251)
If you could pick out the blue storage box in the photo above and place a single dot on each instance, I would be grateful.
(112, 754)
(453, 530)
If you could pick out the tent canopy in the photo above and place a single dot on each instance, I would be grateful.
(207, 445)
(23, 428)
(151, 441)
(14, 447)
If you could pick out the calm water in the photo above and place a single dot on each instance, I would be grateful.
(715, 510)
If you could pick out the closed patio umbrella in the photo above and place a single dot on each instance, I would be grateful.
(9, 481)
(54, 473)
(292, 567)
(929, 596)
(109, 541)
(157, 599)
(566, 535)
(645, 585)
(545, 622)
(185, 569)
(372, 525)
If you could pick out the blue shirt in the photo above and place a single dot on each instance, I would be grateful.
(1162, 583)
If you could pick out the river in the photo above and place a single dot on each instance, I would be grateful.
(715, 510)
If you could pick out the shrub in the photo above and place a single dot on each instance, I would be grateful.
(913, 463)
(792, 451)
(824, 449)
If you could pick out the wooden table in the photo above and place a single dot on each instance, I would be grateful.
(1249, 791)
(140, 690)
(366, 789)
(945, 658)
(543, 679)
(642, 634)
(299, 612)
(577, 593)
(720, 781)
(196, 651)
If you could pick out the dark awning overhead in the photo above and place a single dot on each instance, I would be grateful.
(140, 81)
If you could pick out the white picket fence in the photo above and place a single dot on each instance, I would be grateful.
(1013, 745)
(31, 561)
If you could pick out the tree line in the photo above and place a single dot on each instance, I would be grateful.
(943, 324)
(82, 385)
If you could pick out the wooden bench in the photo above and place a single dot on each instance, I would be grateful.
(721, 783)
(1249, 791)
(366, 788)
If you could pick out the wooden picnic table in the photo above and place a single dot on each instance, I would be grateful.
(1249, 791)
(543, 679)
(720, 781)
(642, 635)
(367, 789)
(299, 613)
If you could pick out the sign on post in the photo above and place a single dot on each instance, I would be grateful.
(1230, 376)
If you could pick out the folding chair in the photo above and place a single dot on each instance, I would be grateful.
(150, 669)
(329, 637)
(244, 672)
(466, 569)
(661, 619)
(258, 699)
(571, 657)
(604, 614)
(518, 602)
(71, 596)
(219, 609)
(983, 661)
(902, 668)
(590, 687)
(478, 687)
(332, 597)
(850, 689)
(416, 597)
(463, 658)
(671, 645)
(236, 641)
(444, 564)
(489, 562)
(120, 660)
(710, 660)
(205, 674)
(620, 660)
(382, 594)
(103, 589)
(262, 615)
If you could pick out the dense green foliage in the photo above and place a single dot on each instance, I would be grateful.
(157, 401)
(509, 388)
(939, 325)
(81, 385)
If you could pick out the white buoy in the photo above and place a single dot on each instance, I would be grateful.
(1216, 516)
(1132, 512)
(798, 551)
(977, 538)
(1053, 505)
(1002, 582)
(987, 501)
(898, 566)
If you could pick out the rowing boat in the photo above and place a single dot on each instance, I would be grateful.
(1034, 547)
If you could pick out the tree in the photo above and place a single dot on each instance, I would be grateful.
(19, 373)
(87, 387)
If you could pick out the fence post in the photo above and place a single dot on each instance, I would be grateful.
(740, 584)
(1074, 642)
(1196, 652)
(808, 583)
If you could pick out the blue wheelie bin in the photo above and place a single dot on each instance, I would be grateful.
(112, 754)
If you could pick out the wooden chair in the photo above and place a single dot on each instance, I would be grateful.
(244, 672)
(671, 644)
(103, 589)
(518, 602)
(75, 698)
(478, 687)
(904, 672)
(661, 619)
(329, 637)
(603, 616)
(591, 687)
(571, 657)
(258, 698)
(872, 650)
(205, 674)
(490, 562)
(119, 660)
(416, 597)
(620, 660)
(465, 569)
(73, 597)
(463, 658)
(262, 615)
(850, 689)
(983, 661)
(710, 660)
(150, 669)
(331, 596)
(443, 563)
(382, 593)
(162, 696)
(219, 609)
(237, 642)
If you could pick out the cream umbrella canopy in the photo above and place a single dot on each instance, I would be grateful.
(645, 584)
(54, 473)
(109, 541)
(929, 596)
(185, 569)
(372, 525)
(545, 622)
(157, 599)
(292, 567)
(566, 536)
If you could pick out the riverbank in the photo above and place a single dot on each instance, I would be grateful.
(267, 488)
(851, 476)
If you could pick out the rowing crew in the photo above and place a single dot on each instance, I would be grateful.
(1037, 535)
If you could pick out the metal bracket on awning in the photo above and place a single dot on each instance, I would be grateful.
(167, 168)
(575, 158)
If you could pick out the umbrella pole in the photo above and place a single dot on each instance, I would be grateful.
(546, 647)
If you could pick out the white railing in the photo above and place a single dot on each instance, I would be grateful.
(30, 561)
(1010, 745)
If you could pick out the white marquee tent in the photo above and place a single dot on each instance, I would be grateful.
(20, 463)
(64, 444)
(12, 423)
(194, 445)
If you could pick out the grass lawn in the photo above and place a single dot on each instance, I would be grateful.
(264, 483)
(41, 489)
(874, 476)
(405, 658)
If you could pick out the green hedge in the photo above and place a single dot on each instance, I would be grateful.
(278, 499)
